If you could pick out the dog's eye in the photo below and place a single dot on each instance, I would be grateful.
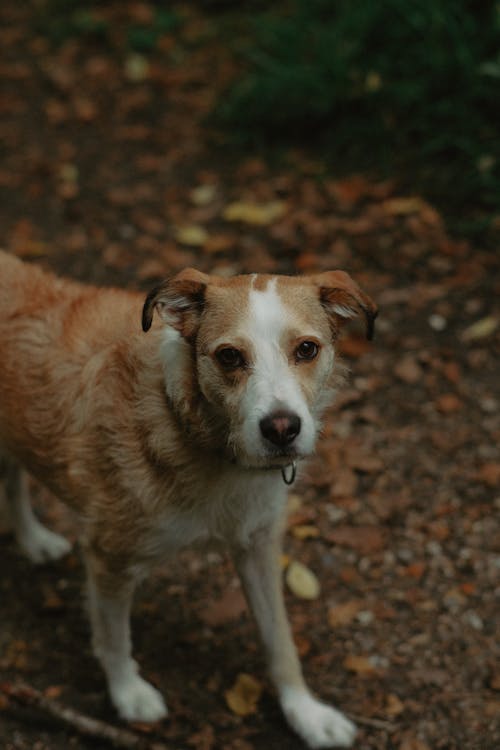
(230, 358)
(307, 350)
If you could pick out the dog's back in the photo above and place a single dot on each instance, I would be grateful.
(52, 332)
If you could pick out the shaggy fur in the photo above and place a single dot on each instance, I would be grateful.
(171, 435)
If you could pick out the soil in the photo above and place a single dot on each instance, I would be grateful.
(109, 173)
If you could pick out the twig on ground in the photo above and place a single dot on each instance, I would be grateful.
(85, 725)
(375, 723)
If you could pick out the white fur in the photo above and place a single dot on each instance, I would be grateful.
(272, 384)
(236, 497)
(319, 725)
(134, 698)
(38, 543)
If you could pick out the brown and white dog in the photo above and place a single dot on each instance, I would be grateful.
(178, 436)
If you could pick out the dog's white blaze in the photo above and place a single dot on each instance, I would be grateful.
(272, 384)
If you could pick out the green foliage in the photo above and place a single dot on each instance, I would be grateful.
(143, 38)
(60, 20)
(408, 82)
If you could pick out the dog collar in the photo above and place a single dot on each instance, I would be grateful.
(288, 473)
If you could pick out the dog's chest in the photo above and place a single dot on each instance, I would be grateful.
(225, 512)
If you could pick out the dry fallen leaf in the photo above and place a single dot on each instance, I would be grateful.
(305, 531)
(243, 696)
(411, 742)
(481, 329)
(136, 68)
(394, 706)
(408, 370)
(203, 195)
(228, 607)
(258, 214)
(489, 474)
(448, 403)
(364, 539)
(344, 614)
(362, 665)
(193, 235)
(404, 206)
(345, 483)
(301, 581)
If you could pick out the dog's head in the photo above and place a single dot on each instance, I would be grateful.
(262, 352)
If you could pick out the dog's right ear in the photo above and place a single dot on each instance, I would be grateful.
(178, 301)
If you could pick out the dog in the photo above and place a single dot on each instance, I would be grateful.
(185, 432)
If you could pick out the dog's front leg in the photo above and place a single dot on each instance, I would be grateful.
(258, 564)
(110, 598)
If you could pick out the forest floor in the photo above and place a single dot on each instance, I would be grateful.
(109, 174)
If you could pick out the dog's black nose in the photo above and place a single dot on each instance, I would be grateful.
(280, 428)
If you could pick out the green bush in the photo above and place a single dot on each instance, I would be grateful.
(412, 83)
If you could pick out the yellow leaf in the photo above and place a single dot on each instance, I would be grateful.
(244, 695)
(136, 68)
(301, 581)
(193, 235)
(404, 206)
(305, 531)
(258, 214)
(481, 329)
(203, 194)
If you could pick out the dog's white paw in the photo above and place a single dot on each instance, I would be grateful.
(319, 725)
(41, 545)
(137, 700)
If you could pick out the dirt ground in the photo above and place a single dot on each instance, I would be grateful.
(108, 173)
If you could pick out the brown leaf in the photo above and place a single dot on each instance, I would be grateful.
(204, 739)
(344, 614)
(489, 474)
(367, 463)
(350, 190)
(230, 606)
(364, 539)
(361, 665)
(404, 206)
(220, 243)
(53, 691)
(394, 706)
(408, 370)
(494, 680)
(51, 600)
(448, 403)
(415, 570)
(345, 483)
(412, 742)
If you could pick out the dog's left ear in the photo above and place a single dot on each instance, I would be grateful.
(342, 298)
(178, 301)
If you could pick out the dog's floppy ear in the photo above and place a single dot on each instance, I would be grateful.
(178, 301)
(342, 298)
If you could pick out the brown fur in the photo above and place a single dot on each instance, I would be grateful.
(83, 406)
